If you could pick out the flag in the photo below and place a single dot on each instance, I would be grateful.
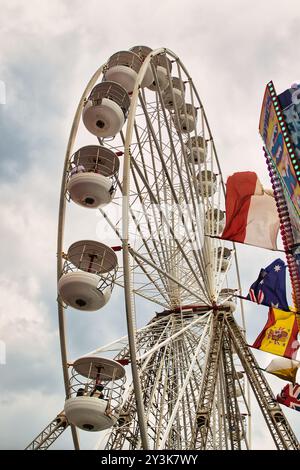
(279, 335)
(270, 287)
(284, 368)
(251, 214)
(290, 396)
(123, 362)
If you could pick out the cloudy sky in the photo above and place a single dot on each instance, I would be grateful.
(49, 50)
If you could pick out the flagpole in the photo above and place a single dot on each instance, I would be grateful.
(269, 306)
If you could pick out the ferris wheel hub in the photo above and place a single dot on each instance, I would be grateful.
(227, 306)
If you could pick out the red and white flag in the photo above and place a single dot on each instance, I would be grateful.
(251, 214)
(290, 396)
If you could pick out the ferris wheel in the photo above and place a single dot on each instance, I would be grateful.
(183, 380)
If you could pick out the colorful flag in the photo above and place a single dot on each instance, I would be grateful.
(270, 287)
(251, 214)
(279, 335)
(290, 396)
(284, 368)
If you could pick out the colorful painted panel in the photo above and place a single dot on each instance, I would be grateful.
(270, 129)
(290, 105)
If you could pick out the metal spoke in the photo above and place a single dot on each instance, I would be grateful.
(186, 388)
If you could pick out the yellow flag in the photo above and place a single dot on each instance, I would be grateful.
(279, 335)
(284, 368)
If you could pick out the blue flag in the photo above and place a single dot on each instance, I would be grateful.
(270, 288)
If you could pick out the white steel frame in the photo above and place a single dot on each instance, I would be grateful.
(171, 272)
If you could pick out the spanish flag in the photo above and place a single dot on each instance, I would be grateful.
(279, 335)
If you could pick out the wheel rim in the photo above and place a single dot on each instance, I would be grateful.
(179, 270)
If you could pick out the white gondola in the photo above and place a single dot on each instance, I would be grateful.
(162, 65)
(106, 109)
(88, 275)
(143, 52)
(123, 68)
(96, 386)
(224, 255)
(187, 118)
(207, 183)
(196, 149)
(215, 220)
(92, 176)
(173, 96)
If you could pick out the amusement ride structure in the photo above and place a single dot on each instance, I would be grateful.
(183, 380)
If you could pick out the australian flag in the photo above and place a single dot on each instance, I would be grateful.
(270, 287)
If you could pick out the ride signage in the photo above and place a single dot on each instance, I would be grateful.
(274, 133)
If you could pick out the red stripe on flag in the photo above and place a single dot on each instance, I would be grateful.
(239, 189)
(260, 297)
(252, 295)
(270, 322)
(292, 346)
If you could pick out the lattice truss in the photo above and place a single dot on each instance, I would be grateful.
(193, 361)
(194, 392)
(168, 349)
(193, 370)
